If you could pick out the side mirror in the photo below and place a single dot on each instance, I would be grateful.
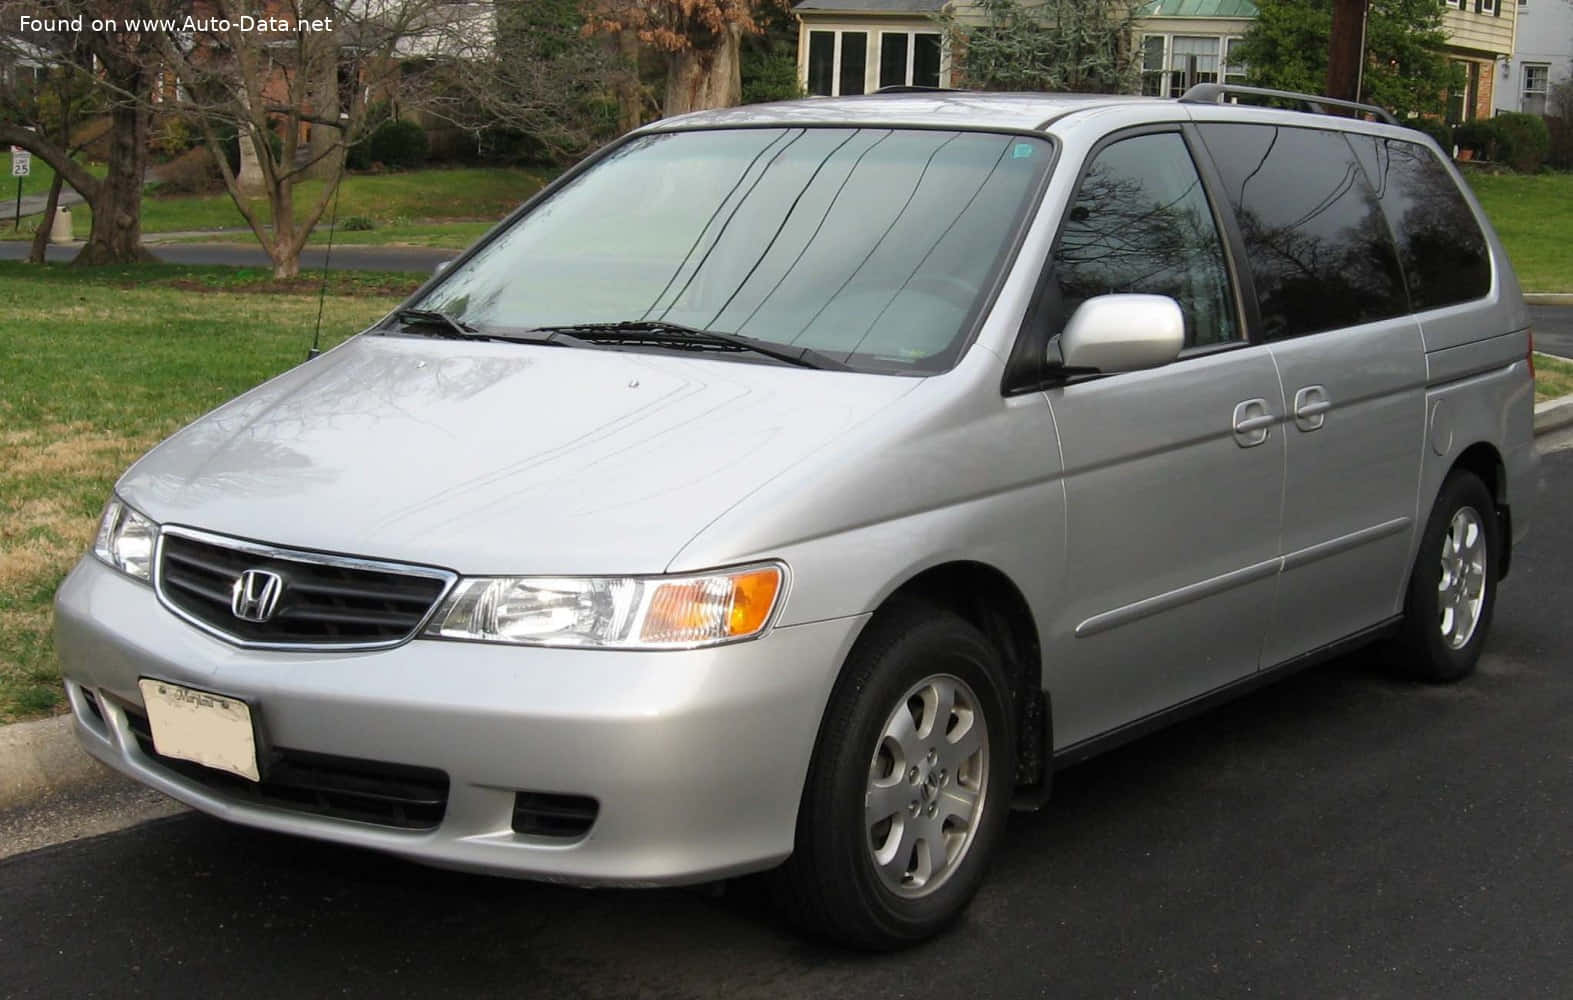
(1121, 333)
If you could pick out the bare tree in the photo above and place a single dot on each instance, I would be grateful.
(702, 41)
(293, 81)
(536, 73)
(121, 59)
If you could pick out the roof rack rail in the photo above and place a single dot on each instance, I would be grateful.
(1214, 93)
(912, 88)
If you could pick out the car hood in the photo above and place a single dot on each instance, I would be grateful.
(498, 458)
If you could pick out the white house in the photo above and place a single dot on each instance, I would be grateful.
(1542, 56)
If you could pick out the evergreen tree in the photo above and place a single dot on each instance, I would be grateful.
(1078, 46)
(1406, 67)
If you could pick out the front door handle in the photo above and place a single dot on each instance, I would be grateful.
(1310, 407)
(1253, 422)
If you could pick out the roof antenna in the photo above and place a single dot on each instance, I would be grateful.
(327, 258)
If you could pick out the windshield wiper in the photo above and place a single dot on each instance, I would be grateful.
(655, 331)
(456, 328)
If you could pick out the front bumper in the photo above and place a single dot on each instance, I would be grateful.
(696, 759)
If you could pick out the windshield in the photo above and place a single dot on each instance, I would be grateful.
(869, 246)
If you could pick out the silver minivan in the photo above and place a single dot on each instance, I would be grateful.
(794, 489)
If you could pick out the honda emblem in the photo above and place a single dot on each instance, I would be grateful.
(255, 595)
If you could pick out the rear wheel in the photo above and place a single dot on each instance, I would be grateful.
(909, 786)
(1452, 591)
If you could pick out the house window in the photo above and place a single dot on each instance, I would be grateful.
(1172, 64)
(1192, 60)
(1152, 65)
(1536, 78)
(852, 74)
(1486, 7)
(1233, 66)
(837, 61)
(908, 59)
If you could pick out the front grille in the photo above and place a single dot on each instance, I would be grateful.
(324, 601)
(562, 816)
(394, 795)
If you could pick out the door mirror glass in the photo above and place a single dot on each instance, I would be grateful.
(1121, 333)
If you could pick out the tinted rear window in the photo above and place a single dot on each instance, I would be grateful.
(1318, 248)
(1439, 242)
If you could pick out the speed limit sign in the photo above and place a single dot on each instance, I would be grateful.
(21, 162)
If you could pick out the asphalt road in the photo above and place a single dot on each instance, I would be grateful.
(1339, 834)
(1553, 326)
(240, 255)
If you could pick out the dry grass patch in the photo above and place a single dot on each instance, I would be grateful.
(52, 480)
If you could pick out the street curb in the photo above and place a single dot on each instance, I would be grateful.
(1549, 298)
(40, 758)
(1553, 414)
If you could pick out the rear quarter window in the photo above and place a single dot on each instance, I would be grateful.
(1440, 245)
(1318, 248)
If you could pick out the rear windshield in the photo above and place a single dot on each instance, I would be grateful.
(876, 247)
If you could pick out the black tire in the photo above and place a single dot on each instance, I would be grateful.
(830, 886)
(1424, 651)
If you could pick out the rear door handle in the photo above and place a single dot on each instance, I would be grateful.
(1310, 407)
(1253, 422)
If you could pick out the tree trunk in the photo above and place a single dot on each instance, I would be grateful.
(630, 102)
(324, 102)
(35, 254)
(708, 77)
(117, 210)
(286, 264)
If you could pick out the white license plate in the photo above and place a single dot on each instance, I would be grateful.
(210, 729)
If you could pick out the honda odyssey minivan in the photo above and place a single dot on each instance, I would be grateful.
(795, 488)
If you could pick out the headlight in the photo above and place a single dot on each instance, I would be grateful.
(126, 540)
(665, 612)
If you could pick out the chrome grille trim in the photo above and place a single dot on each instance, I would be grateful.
(261, 550)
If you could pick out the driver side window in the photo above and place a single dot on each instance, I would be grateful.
(1140, 222)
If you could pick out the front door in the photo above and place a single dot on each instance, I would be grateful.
(1174, 476)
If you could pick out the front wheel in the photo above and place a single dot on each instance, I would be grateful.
(1452, 590)
(909, 785)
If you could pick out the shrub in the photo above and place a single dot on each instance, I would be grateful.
(1522, 141)
(173, 135)
(359, 224)
(770, 75)
(192, 172)
(397, 145)
(1479, 137)
(1559, 122)
(1438, 130)
(1512, 139)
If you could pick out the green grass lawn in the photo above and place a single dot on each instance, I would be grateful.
(478, 196)
(1553, 377)
(1533, 214)
(99, 365)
